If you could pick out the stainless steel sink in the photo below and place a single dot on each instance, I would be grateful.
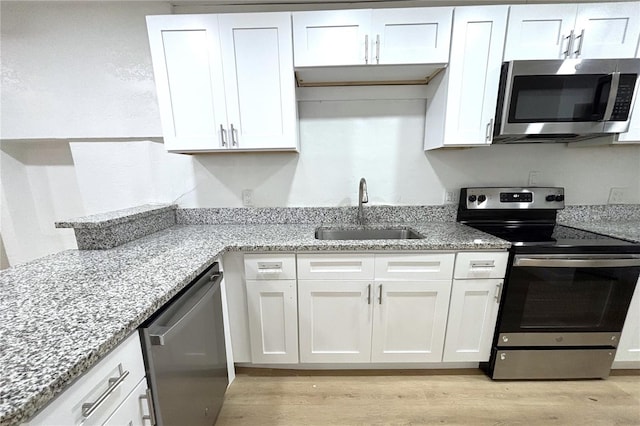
(396, 233)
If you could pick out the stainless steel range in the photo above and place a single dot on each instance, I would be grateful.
(566, 292)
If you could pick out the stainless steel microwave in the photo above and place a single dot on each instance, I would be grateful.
(565, 100)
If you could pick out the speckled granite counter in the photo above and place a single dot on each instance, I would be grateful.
(618, 221)
(60, 314)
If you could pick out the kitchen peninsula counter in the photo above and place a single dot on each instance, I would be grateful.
(62, 313)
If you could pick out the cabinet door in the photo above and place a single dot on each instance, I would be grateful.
(473, 74)
(134, 411)
(188, 74)
(335, 320)
(411, 35)
(257, 57)
(273, 321)
(607, 30)
(629, 347)
(409, 322)
(472, 319)
(335, 37)
(539, 31)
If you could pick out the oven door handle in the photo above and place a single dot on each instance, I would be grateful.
(575, 263)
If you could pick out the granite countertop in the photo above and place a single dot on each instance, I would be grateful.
(62, 313)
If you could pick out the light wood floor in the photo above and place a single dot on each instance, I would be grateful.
(452, 399)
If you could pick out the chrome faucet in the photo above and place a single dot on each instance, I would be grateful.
(363, 198)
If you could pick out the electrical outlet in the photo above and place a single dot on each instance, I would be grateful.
(247, 197)
(451, 197)
(617, 196)
(534, 178)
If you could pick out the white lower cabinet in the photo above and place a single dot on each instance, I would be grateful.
(273, 321)
(272, 306)
(335, 320)
(392, 309)
(409, 321)
(473, 312)
(101, 392)
(134, 411)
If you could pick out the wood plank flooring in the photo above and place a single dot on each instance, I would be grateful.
(470, 398)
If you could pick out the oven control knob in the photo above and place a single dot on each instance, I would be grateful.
(559, 197)
(550, 197)
(482, 198)
(472, 198)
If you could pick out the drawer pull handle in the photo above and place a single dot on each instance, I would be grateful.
(269, 267)
(152, 415)
(89, 407)
(483, 264)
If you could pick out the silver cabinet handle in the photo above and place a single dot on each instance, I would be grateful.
(489, 132)
(223, 136)
(89, 407)
(380, 296)
(366, 49)
(234, 141)
(482, 264)
(152, 414)
(579, 49)
(377, 48)
(498, 294)
(369, 294)
(569, 39)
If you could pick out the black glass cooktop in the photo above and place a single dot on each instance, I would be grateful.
(550, 235)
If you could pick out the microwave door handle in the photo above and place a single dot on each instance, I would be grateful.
(613, 94)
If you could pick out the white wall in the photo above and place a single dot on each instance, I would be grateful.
(77, 70)
(104, 92)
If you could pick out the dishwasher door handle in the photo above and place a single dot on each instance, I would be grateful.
(158, 333)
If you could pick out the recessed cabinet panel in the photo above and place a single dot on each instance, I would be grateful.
(260, 85)
(273, 324)
(607, 30)
(324, 38)
(585, 30)
(411, 35)
(409, 321)
(225, 82)
(189, 82)
(462, 109)
(406, 266)
(539, 31)
(481, 264)
(472, 319)
(335, 266)
(334, 321)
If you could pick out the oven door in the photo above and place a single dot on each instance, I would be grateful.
(567, 300)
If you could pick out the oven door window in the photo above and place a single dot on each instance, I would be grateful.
(541, 299)
(559, 98)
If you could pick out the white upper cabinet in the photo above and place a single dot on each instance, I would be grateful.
(211, 97)
(558, 31)
(381, 36)
(461, 110)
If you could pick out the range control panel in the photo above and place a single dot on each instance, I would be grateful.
(514, 198)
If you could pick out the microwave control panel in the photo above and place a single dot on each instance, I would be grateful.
(622, 105)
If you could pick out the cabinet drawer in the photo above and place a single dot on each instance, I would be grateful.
(276, 266)
(335, 266)
(134, 411)
(124, 365)
(481, 265)
(414, 266)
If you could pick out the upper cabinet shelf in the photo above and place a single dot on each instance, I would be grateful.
(559, 31)
(329, 44)
(211, 95)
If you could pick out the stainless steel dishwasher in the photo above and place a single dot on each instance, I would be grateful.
(185, 354)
